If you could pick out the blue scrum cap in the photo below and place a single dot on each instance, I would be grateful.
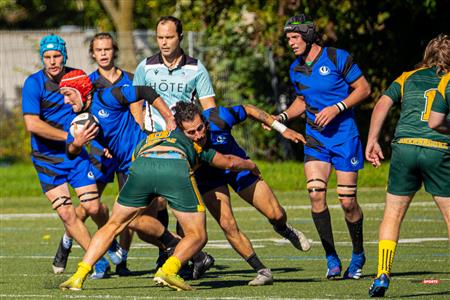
(53, 42)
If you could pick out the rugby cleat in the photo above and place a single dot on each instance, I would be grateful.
(296, 237)
(122, 269)
(101, 269)
(201, 267)
(334, 266)
(115, 252)
(379, 286)
(354, 270)
(264, 277)
(173, 281)
(162, 257)
(60, 260)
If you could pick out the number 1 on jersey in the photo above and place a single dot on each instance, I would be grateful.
(429, 96)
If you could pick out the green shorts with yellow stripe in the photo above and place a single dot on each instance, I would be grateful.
(171, 178)
(413, 165)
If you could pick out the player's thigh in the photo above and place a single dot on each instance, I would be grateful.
(218, 203)
(261, 196)
(405, 176)
(435, 166)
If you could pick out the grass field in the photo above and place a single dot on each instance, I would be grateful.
(30, 232)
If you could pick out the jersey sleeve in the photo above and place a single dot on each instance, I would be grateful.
(235, 115)
(31, 98)
(347, 67)
(139, 74)
(204, 86)
(440, 104)
(394, 91)
(207, 155)
(127, 94)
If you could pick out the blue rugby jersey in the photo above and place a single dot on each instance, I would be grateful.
(221, 120)
(119, 132)
(323, 83)
(101, 82)
(40, 96)
(186, 82)
(96, 151)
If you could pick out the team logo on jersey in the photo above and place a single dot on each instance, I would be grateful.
(90, 175)
(221, 139)
(324, 70)
(156, 71)
(354, 161)
(103, 113)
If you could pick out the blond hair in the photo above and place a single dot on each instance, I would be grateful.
(437, 54)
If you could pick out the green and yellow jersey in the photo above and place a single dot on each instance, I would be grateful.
(441, 103)
(415, 91)
(176, 139)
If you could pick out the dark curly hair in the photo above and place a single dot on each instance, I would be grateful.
(186, 112)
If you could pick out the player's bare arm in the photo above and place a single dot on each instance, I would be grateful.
(439, 122)
(374, 154)
(165, 112)
(234, 163)
(207, 103)
(268, 120)
(36, 126)
(361, 90)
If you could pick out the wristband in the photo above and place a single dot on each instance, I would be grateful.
(278, 126)
(341, 106)
(283, 117)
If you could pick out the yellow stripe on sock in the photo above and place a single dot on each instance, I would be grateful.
(386, 253)
(171, 266)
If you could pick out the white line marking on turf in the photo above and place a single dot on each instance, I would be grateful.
(33, 216)
(73, 296)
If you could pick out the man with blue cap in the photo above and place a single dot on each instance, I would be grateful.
(48, 119)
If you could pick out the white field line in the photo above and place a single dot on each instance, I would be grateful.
(106, 296)
(33, 216)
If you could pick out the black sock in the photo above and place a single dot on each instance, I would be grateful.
(356, 233)
(322, 221)
(163, 217)
(168, 239)
(255, 263)
(199, 257)
(280, 228)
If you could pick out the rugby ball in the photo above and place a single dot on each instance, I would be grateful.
(81, 120)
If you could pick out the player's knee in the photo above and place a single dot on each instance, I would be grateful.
(347, 197)
(92, 209)
(317, 189)
(67, 216)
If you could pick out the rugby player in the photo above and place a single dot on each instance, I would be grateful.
(213, 130)
(419, 154)
(162, 167)
(328, 84)
(47, 119)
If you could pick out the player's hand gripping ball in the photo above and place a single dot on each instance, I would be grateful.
(81, 120)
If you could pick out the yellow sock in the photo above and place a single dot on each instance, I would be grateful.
(171, 266)
(83, 270)
(386, 252)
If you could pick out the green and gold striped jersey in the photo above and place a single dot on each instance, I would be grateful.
(176, 138)
(441, 103)
(415, 91)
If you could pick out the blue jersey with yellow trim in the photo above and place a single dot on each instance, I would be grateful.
(188, 81)
(41, 97)
(324, 83)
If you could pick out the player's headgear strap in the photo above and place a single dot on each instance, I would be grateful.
(53, 42)
(78, 81)
(303, 25)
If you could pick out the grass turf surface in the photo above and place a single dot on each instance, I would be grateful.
(28, 243)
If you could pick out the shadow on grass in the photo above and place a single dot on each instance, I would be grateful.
(426, 294)
(415, 273)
